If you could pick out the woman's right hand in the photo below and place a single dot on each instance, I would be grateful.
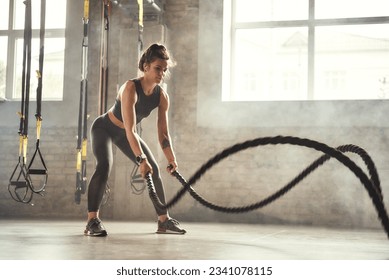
(145, 168)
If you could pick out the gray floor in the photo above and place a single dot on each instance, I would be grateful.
(63, 240)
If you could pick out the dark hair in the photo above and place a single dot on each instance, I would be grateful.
(154, 52)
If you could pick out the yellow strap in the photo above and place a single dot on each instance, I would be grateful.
(78, 165)
(38, 128)
(20, 115)
(25, 143)
(86, 9)
(20, 145)
(140, 4)
(84, 144)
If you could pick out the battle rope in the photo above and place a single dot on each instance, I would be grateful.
(39, 169)
(19, 185)
(81, 179)
(372, 184)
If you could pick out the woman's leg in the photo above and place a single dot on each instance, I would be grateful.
(165, 223)
(102, 150)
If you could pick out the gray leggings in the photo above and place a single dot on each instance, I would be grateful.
(103, 134)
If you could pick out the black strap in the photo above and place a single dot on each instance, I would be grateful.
(34, 167)
(140, 28)
(41, 59)
(19, 182)
(81, 181)
(104, 57)
(26, 74)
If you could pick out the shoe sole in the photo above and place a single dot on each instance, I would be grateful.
(101, 234)
(170, 232)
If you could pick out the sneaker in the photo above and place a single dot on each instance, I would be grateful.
(170, 226)
(95, 228)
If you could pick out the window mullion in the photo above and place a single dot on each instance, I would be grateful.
(311, 50)
(351, 21)
(11, 14)
(271, 24)
(232, 51)
(10, 52)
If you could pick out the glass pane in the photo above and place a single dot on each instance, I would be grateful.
(352, 62)
(3, 64)
(351, 8)
(269, 10)
(53, 69)
(270, 64)
(4, 13)
(55, 14)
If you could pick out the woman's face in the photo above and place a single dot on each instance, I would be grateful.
(156, 70)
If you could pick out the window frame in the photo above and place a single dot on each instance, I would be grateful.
(12, 36)
(273, 117)
(230, 27)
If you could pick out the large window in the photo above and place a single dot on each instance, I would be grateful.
(305, 50)
(11, 48)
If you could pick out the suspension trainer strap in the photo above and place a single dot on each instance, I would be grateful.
(104, 56)
(137, 179)
(35, 168)
(26, 76)
(140, 28)
(82, 139)
(19, 182)
(41, 59)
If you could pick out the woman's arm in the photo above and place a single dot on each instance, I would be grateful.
(128, 101)
(163, 132)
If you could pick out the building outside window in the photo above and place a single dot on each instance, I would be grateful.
(11, 49)
(305, 50)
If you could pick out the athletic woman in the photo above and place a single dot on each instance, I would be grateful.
(135, 100)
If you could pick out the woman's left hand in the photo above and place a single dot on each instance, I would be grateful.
(172, 166)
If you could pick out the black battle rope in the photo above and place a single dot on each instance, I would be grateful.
(81, 179)
(372, 185)
(19, 185)
(41, 169)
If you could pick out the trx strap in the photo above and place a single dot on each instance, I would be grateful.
(19, 183)
(136, 179)
(39, 169)
(140, 28)
(81, 179)
(103, 98)
(104, 57)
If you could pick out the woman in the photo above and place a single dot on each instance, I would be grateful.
(135, 101)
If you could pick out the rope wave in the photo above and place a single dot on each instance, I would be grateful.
(371, 182)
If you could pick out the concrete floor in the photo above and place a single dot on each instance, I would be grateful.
(63, 240)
